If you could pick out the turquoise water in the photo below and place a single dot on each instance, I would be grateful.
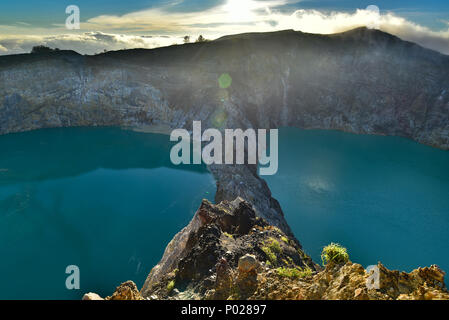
(109, 200)
(384, 198)
(104, 199)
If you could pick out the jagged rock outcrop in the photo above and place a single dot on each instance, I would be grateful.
(234, 181)
(92, 297)
(351, 282)
(229, 253)
(216, 254)
(126, 291)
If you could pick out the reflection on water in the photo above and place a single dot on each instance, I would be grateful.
(104, 199)
(384, 198)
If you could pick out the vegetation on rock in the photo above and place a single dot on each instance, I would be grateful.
(334, 254)
(170, 286)
(294, 272)
(212, 265)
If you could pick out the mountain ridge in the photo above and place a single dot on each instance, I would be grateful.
(360, 33)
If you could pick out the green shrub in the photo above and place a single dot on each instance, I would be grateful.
(170, 286)
(270, 255)
(334, 253)
(274, 245)
(230, 236)
(294, 272)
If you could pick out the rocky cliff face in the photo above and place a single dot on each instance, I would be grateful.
(362, 81)
(222, 233)
(227, 252)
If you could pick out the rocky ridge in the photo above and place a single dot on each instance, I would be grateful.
(279, 79)
(228, 253)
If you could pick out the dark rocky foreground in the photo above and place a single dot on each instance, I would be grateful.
(362, 81)
(229, 253)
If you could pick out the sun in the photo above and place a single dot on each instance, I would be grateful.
(240, 10)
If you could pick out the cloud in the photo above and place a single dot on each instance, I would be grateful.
(436, 40)
(166, 27)
(325, 23)
(86, 43)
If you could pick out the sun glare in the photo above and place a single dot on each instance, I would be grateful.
(239, 10)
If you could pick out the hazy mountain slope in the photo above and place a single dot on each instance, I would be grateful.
(361, 81)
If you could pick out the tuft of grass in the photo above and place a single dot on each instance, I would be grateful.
(235, 293)
(270, 255)
(274, 245)
(230, 236)
(170, 286)
(271, 248)
(334, 253)
(294, 273)
(277, 230)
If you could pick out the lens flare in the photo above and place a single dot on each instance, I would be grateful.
(225, 81)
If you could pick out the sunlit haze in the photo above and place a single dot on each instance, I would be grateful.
(114, 25)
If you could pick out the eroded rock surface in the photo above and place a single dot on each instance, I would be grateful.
(351, 282)
(126, 291)
(92, 297)
(361, 81)
(227, 252)
(235, 181)
(220, 253)
(230, 253)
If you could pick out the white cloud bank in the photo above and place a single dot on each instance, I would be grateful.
(85, 43)
(236, 16)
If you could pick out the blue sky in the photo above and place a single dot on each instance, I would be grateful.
(430, 13)
(45, 13)
(118, 24)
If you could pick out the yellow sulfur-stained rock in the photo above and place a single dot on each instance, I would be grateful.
(126, 291)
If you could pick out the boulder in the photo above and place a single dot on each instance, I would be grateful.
(126, 291)
(92, 296)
